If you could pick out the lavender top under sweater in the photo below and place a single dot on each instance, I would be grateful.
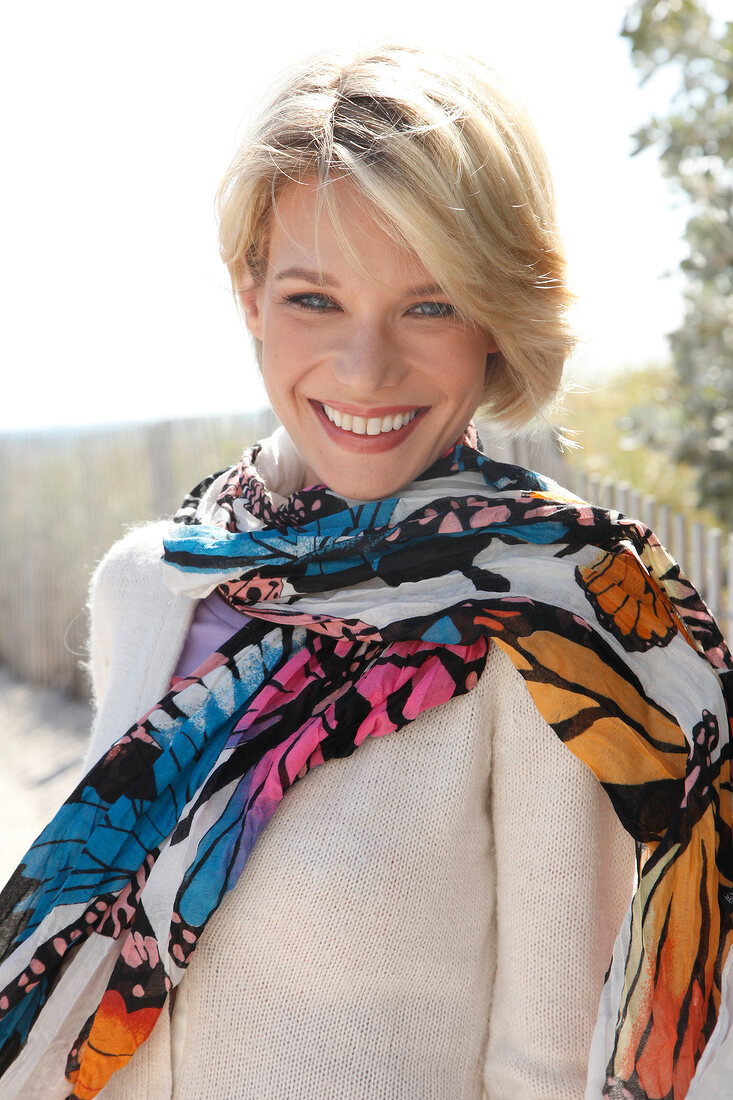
(213, 623)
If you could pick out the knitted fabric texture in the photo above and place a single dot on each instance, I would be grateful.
(619, 653)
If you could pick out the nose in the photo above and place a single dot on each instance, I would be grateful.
(368, 359)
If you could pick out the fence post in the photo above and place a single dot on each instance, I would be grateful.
(160, 467)
(713, 579)
(648, 505)
(581, 484)
(679, 540)
(697, 555)
(622, 497)
(662, 527)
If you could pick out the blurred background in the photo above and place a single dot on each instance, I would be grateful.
(126, 376)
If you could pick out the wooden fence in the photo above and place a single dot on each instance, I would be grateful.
(66, 497)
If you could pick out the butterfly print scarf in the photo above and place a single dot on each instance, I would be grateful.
(361, 615)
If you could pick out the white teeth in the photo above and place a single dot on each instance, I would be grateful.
(372, 425)
(375, 425)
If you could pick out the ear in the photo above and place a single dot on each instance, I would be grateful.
(250, 302)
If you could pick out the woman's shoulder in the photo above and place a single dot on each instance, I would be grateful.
(137, 627)
(139, 549)
(140, 545)
(133, 563)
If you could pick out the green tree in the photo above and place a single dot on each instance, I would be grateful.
(694, 141)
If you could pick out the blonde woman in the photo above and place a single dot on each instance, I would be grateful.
(341, 833)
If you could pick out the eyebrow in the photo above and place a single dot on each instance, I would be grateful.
(322, 278)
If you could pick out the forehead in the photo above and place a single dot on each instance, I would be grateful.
(342, 234)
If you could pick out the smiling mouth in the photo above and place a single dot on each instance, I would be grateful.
(372, 425)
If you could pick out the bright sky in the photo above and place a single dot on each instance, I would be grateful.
(119, 121)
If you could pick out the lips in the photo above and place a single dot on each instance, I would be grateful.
(358, 437)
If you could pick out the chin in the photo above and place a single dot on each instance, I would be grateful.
(363, 489)
(352, 491)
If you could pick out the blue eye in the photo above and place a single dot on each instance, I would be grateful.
(433, 309)
(313, 303)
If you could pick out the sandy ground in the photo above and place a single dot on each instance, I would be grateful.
(43, 738)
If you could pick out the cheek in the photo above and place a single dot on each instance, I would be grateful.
(290, 348)
(284, 380)
(470, 376)
(273, 373)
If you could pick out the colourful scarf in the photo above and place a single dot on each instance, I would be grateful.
(363, 615)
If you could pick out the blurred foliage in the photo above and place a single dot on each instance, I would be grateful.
(694, 141)
(622, 422)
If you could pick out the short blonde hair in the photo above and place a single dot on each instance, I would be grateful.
(451, 165)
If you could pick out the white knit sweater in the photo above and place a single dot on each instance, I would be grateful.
(429, 919)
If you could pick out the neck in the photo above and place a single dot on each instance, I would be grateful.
(311, 478)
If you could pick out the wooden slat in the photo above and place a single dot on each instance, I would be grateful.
(621, 497)
(714, 570)
(697, 572)
(663, 527)
(580, 487)
(679, 540)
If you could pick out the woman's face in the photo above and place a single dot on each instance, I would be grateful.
(371, 372)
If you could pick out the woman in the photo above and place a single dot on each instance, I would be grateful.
(432, 913)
